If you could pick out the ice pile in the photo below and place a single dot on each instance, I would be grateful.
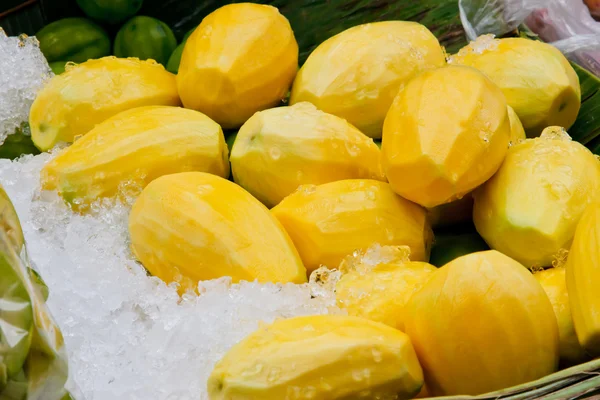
(128, 335)
(23, 71)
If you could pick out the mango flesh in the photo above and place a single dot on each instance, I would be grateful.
(381, 292)
(536, 78)
(195, 226)
(323, 357)
(241, 59)
(357, 73)
(279, 149)
(554, 282)
(583, 275)
(530, 208)
(446, 133)
(517, 132)
(133, 148)
(466, 343)
(330, 221)
(72, 103)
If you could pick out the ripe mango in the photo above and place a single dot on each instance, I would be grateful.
(72, 103)
(330, 221)
(194, 226)
(537, 79)
(381, 292)
(357, 73)
(446, 133)
(517, 132)
(530, 208)
(583, 277)
(241, 59)
(555, 284)
(323, 357)
(135, 147)
(482, 323)
(279, 149)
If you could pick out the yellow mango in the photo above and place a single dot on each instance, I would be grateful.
(135, 147)
(241, 59)
(279, 149)
(517, 132)
(583, 279)
(381, 292)
(356, 73)
(482, 323)
(195, 226)
(530, 208)
(446, 133)
(555, 284)
(72, 103)
(325, 357)
(330, 221)
(537, 79)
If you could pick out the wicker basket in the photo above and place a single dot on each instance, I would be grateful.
(314, 21)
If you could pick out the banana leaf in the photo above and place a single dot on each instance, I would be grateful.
(33, 361)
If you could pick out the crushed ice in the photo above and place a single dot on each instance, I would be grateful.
(128, 335)
(478, 46)
(23, 72)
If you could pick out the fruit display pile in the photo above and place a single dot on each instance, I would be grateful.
(355, 174)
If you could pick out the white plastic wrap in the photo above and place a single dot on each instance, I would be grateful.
(566, 24)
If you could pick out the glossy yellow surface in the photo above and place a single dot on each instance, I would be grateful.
(279, 149)
(517, 132)
(583, 279)
(195, 226)
(536, 78)
(555, 284)
(330, 221)
(381, 292)
(133, 148)
(72, 103)
(530, 208)
(323, 357)
(482, 323)
(357, 73)
(446, 133)
(241, 59)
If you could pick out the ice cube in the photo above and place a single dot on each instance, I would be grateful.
(128, 335)
(23, 72)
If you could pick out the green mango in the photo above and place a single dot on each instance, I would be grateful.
(175, 59)
(110, 11)
(73, 39)
(16, 145)
(447, 247)
(145, 38)
(58, 67)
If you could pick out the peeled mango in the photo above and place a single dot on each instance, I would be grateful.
(72, 103)
(195, 226)
(529, 209)
(517, 132)
(357, 73)
(381, 291)
(330, 221)
(583, 275)
(537, 79)
(241, 59)
(110, 11)
(145, 38)
(325, 357)
(555, 284)
(73, 39)
(126, 152)
(279, 149)
(482, 323)
(446, 133)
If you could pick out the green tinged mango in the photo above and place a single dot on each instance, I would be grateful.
(73, 39)
(110, 11)
(145, 38)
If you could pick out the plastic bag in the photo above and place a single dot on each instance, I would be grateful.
(566, 24)
(33, 361)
